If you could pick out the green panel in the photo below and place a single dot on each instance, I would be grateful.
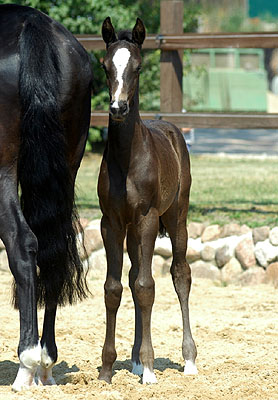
(260, 7)
(226, 90)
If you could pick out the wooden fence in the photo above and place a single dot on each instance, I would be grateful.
(171, 43)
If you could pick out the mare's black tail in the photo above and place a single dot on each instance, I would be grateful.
(46, 182)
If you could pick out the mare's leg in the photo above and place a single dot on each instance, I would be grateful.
(113, 241)
(21, 245)
(132, 248)
(49, 348)
(175, 222)
(145, 235)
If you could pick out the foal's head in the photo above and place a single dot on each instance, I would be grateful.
(122, 64)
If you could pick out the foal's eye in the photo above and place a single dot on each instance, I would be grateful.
(138, 69)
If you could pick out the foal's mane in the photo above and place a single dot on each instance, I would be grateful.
(125, 35)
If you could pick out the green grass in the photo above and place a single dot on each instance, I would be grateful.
(224, 190)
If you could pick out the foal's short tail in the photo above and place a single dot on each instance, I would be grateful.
(47, 185)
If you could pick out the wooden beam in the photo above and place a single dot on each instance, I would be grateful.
(171, 22)
(203, 120)
(194, 41)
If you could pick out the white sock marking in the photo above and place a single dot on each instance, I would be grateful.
(45, 369)
(30, 359)
(148, 376)
(120, 61)
(190, 368)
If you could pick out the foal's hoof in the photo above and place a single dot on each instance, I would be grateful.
(105, 376)
(190, 368)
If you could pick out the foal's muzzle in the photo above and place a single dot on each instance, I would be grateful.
(119, 110)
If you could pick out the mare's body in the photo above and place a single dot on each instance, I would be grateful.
(45, 88)
(144, 184)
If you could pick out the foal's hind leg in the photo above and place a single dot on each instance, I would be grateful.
(175, 223)
(21, 246)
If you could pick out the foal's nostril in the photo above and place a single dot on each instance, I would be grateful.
(123, 106)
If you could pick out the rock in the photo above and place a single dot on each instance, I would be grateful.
(210, 233)
(273, 236)
(230, 230)
(231, 271)
(265, 252)
(195, 229)
(163, 247)
(208, 253)
(157, 265)
(166, 266)
(4, 263)
(260, 234)
(252, 276)
(83, 222)
(244, 252)
(97, 263)
(245, 229)
(92, 242)
(192, 255)
(2, 246)
(223, 255)
(94, 224)
(201, 269)
(272, 274)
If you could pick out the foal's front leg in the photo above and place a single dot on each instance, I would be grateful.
(113, 242)
(146, 232)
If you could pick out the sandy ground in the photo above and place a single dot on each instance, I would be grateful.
(235, 330)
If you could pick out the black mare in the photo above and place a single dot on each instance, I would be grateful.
(45, 89)
(144, 183)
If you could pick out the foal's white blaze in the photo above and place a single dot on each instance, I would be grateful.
(120, 61)
(190, 368)
(148, 376)
(29, 362)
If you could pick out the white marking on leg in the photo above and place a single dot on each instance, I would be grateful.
(31, 357)
(29, 361)
(137, 369)
(190, 368)
(148, 376)
(25, 378)
(120, 61)
(45, 369)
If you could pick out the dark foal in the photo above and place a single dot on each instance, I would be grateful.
(45, 96)
(144, 183)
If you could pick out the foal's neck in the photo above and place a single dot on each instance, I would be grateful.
(122, 134)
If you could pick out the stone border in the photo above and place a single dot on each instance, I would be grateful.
(231, 254)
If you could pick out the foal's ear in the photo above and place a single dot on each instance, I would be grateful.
(139, 32)
(108, 32)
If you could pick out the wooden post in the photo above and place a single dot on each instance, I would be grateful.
(171, 23)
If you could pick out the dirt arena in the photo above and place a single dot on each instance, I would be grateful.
(235, 330)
